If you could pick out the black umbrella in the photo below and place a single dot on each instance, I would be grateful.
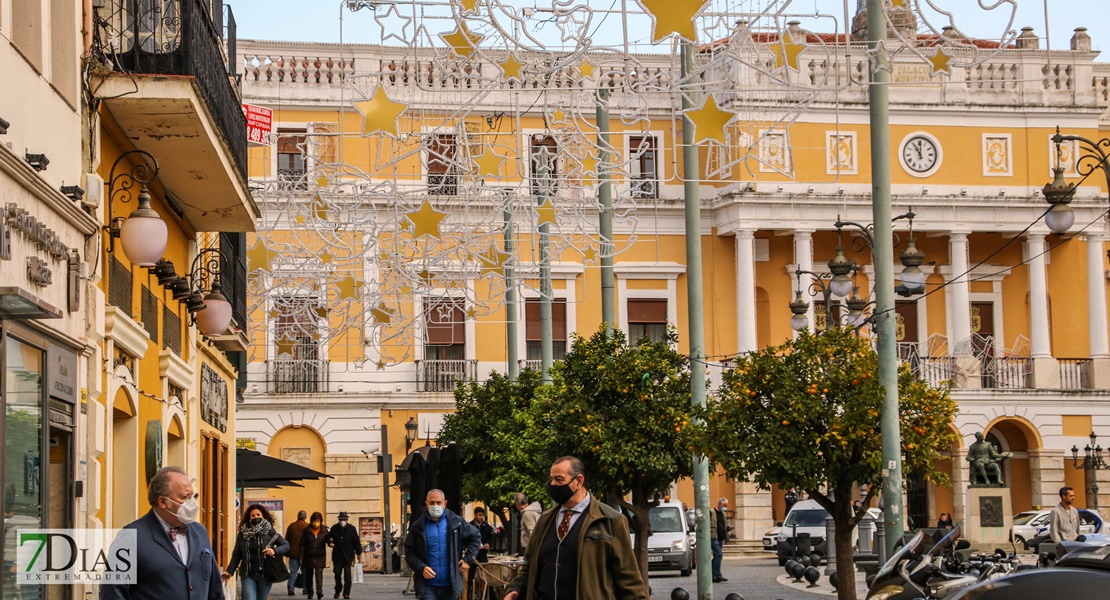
(252, 466)
(270, 483)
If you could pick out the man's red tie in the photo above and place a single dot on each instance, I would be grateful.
(564, 525)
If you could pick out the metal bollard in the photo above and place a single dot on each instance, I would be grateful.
(880, 540)
(830, 544)
(866, 532)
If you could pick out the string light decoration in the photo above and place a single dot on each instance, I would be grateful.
(443, 131)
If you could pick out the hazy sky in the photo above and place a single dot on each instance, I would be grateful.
(319, 21)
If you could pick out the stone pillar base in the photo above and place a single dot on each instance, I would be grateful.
(989, 516)
(968, 371)
(1046, 373)
(1100, 370)
(753, 512)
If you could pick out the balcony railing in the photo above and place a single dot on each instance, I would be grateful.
(178, 37)
(1007, 373)
(1076, 373)
(297, 376)
(444, 375)
(233, 276)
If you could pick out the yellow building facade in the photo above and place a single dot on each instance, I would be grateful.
(386, 186)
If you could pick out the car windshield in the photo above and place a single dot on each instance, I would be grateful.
(806, 518)
(665, 519)
(1024, 518)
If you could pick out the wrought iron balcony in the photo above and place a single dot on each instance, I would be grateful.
(178, 37)
(288, 375)
(444, 375)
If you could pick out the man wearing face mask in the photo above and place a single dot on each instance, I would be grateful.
(174, 558)
(580, 548)
(440, 548)
(346, 550)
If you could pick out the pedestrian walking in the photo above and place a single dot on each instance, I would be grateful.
(257, 540)
(293, 536)
(174, 552)
(314, 555)
(1063, 521)
(529, 514)
(346, 548)
(718, 534)
(580, 548)
(440, 549)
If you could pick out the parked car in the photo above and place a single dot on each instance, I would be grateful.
(807, 516)
(670, 547)
(769, 541)
(1031, 527)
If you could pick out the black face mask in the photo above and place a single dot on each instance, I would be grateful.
(560, 493)
(255, 522)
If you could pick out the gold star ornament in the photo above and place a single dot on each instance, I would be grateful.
(586, 69)
(673, 17)
(546, 212)
(511, 67)
(426, 221)
(461, 40)
(285, 345)
(382, 314)
(940, 62)
(786, 52)
(493, 260)
(349, 287)
(260, 257)
(489, 163)
(709, 121)
(380, 113)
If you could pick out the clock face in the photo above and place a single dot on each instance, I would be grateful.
(920, 154)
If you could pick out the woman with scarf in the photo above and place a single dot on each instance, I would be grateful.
(257, 539)
(314, 555)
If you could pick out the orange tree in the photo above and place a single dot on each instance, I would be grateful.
(805, 415)
(622, 409)
(494, 427)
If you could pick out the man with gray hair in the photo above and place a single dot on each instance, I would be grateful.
(529, 515)
(293, 535)
(175, 557)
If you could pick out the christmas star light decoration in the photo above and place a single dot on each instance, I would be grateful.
(260, 257)
(589, 255)
(546, 212)
(326, 257)
(786, 52)
(511, 68)
(469, 5)
(493, 260)
(427, 277)
(558, 115)
(321, 182)
(380, 113)
(322, 312)
(709, 121)
(461, 40)
(673, 17)
(940, 62)
(489, 163)
(348, 287)
(382, 314)
(426, 221)
(285, 345)
(586, 69)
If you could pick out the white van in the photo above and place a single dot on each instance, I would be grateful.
(807, 516)
(670, 547)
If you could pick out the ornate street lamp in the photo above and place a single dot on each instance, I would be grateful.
(143, 234)
(1091, 463)
(1093, 155)
(411, 431)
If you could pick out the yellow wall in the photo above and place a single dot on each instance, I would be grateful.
(311, 497)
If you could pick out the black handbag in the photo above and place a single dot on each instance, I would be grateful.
(273, 567)
(299, 581)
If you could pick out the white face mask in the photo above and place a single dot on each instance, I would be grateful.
(436, 511)
(188, 511)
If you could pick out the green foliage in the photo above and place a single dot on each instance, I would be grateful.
(495, 428)
(807, 412)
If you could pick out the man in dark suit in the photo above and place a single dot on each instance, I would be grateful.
(346, 548)
(175, 559)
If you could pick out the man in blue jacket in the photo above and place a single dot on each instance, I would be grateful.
(175, 559)
(440, 548)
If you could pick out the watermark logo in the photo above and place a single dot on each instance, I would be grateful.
(69, 556)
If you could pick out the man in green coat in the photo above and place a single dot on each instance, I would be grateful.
(580, 548)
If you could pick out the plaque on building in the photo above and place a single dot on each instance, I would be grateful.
(213, 398)
(990, 511)
(300, 456)
(61, 373)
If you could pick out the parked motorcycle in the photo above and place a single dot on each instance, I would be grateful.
(1083, 573)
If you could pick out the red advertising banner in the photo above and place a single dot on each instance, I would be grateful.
(260, 124)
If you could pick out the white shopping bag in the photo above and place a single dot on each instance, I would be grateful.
(358, 572)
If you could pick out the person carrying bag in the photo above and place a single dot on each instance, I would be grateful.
(256, 555)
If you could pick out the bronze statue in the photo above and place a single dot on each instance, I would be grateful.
(985, 460)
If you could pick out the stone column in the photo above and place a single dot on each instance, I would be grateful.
(745, 291)
(959, 311)
(1046, 476)
(753, 512)
(803, 258)
(959, 485)
(1096, 318)
(1046, 373)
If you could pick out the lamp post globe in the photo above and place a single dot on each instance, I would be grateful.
(216, 316)
(144, 234)
(799, 308)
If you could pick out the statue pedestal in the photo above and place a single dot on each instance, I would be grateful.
(989, 517)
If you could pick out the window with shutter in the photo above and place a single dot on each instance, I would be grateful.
(645, 179)
(291, 150)
(443, 176)
(558, 328)
(647, 318)
(444, 330)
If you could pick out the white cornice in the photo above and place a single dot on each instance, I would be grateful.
(176, 370)
(66, 208)
(125, 332)
(649, 270)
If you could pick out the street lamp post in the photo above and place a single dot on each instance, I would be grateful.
(1093, 155)
(1092, 462)
(411, 431)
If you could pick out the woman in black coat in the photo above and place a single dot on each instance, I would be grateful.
(257, 538)
(314, 555)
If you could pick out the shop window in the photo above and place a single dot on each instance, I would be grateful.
(647, 319)
(23, 443)
(291, 148)
(544, 153)
(642, 167)
(558, 328)
(443, 174)
(149, 314)
(119, 286)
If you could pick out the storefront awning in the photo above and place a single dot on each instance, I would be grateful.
(18, 304)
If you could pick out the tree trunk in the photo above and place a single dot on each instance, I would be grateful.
(845, 558)
(641, 525)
